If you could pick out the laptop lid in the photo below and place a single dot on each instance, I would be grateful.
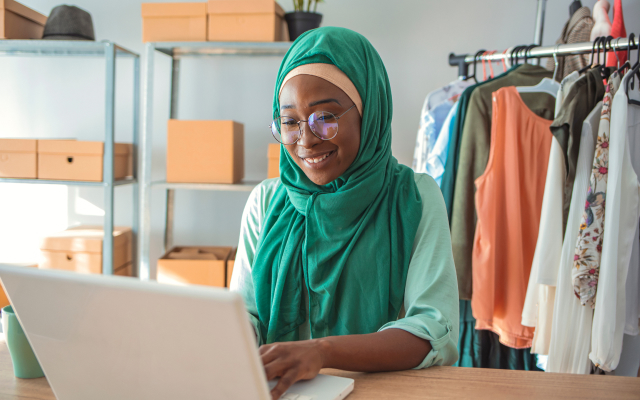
(109, 337)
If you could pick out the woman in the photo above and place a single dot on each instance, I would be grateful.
(345, 260)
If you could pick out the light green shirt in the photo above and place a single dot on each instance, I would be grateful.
(430, 307)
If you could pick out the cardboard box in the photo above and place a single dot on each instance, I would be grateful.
(73, 160)
(80, 249)
(20, 22)
(174, 22)
(18, 158)
(274, 161)
(246, 21)
(230, 264)
(205, 151)
(4, 300)
(195, 265)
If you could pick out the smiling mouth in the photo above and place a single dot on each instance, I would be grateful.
(319, 161)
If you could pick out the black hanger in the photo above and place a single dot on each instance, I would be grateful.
(593, 50)
(575, 6)
(627, 63)
(475, 69)
(527, 50)
(635, 71)
(514, 54)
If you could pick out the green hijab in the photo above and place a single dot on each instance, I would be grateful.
(350, 241)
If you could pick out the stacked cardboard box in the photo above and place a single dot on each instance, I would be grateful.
(61, 159)
(20, 22)
(217, 20)
(195, 265)
(79, 249)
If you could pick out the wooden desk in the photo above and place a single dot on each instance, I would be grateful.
(434, 383)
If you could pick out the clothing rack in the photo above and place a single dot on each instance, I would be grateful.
(462, 61)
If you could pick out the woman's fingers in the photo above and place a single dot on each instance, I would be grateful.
(271, 352)
(276, 369)
(284, 383)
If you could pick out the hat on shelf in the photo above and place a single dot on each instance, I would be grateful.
(69, 23)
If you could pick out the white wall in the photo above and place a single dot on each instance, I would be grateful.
(49, 97)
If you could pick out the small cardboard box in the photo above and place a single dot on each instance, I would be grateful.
(73, 160)
(18, 21)
(18, 158)
(205, 151)
(230, 264)
(174, 22)
(274, 161)
(80, 249)
(246, 21)
(196, 265)
(4, 300)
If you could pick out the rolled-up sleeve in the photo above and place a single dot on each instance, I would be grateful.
(252, 218)
(431, 292)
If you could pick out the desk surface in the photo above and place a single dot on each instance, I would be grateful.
(436, 382)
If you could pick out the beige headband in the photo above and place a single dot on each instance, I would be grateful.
(329, 73)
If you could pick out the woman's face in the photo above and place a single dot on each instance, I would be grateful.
(300, 97)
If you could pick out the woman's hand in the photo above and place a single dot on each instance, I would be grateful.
(291, 362)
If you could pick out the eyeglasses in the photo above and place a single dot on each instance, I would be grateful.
(323, 124)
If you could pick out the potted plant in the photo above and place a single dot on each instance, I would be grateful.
(300, 20)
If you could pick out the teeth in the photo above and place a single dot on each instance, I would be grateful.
(316, 160)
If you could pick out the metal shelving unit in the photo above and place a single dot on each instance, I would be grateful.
(110, 51)
(177, 51)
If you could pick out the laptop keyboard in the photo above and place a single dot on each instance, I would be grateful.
(293, 396)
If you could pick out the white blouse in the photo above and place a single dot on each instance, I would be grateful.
(571, 322)
(615, 302)
(538, 305)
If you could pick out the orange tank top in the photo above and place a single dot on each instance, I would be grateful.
(508, 203)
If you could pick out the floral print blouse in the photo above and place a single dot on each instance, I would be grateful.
(586, 260)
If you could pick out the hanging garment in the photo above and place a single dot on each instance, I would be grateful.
(451, 168)
(571, 326)
(620, 229)
(576, 30)
(585, 93)
(482, 348)
(474, 154)
(586, 261)
(508, 200)
(618, 30)
(601, 21)
(437, 158)
(434, 112)
(538, 306)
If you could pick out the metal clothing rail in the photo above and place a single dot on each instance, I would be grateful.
(462, 61)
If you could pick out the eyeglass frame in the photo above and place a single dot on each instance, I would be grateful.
(337, 117)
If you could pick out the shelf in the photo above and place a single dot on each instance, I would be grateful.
(222, 187)
(64, 48)
(68, 183)
(185, 49)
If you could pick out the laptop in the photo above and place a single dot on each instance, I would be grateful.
(110, 337)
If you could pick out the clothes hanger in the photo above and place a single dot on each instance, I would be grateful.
(513, 56)
(627, 63)
(605, 72)
(504, 63)
(593, 50)
(526, 52)
(575, 6)
(484, 70)
(635, 71)
(546, 85)
(615, 52)
(475, 67)
(491, 62)
(555, 62)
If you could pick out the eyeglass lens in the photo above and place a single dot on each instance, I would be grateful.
(322, 123)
